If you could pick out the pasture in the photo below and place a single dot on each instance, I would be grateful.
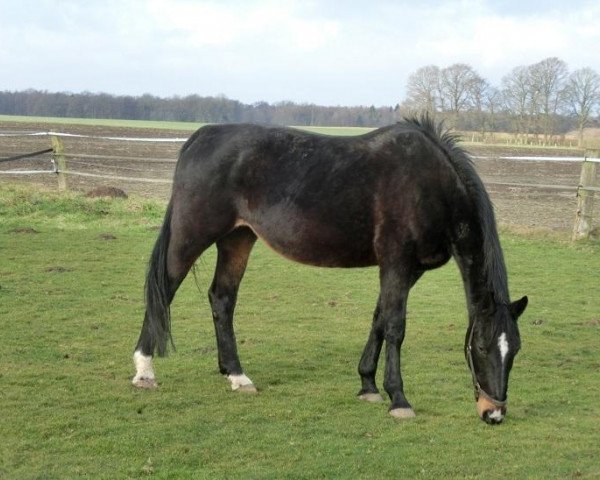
(67, 122)
(71, 277)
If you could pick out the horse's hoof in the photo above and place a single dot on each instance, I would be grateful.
(241, 383)
(250, 388)
(402, 413)
(145, 383)
(371, 397)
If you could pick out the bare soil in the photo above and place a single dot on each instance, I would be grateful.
(543, 207)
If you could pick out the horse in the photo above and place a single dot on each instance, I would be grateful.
(405, 198)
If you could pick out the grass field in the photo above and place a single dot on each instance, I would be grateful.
(162, 125)
(110, 122)
(71, 276)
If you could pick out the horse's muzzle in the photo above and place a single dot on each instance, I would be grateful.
(489, 412)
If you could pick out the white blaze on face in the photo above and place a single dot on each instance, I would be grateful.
(503, 346)
(497, 415)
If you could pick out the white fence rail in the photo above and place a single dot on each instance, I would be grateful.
(59, 157)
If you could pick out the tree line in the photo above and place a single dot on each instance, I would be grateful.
(191, 108)
(542, 99)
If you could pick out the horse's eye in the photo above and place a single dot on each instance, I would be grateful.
(481, 350)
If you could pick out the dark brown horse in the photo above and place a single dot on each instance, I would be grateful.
(403, 197)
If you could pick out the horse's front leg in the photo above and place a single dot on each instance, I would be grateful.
(395, 285)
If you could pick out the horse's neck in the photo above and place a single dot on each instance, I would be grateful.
(478, 293)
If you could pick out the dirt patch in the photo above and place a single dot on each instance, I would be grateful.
(595, 322)
(107, 236)
(58, 269)
(112, 192)
(27, 230)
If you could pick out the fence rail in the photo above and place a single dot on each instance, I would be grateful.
(584, 191)
(96, 137)
(59, 157)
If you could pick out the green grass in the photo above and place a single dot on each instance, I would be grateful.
(71, 309)
(338, 130)
(165, 125)
(106, 122)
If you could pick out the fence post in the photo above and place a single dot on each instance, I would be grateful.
(585, 199)
(60, 162)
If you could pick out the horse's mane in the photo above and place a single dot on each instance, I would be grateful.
(460, 160)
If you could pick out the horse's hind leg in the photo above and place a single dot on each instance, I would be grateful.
(370, 357)
(233, 252)
(180, 242)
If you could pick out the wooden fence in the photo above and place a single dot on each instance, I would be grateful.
(63, 169)
(585, 197)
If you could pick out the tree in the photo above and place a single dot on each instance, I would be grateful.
(548, 82)
(519, 98)
(583, 95)
(477, 92)
(493, 102)
(422, 89)
(458, 84)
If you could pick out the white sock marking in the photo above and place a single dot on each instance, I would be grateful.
(238, 381)
(503, 346)
(143, 367)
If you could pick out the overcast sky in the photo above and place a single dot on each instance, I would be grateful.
(315, 51)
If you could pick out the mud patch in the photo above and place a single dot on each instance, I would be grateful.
(58, 269)
(112, 192)
(595, 322)
(27, 230)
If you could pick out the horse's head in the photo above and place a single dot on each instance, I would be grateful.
(491, 345)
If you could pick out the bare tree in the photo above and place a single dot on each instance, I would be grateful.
(477, 92)
(583, 94)
(422, 89)
(519, 98)
(493, 103)
(458, 84)
(548, 83)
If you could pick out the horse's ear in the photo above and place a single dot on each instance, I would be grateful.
(518, 307)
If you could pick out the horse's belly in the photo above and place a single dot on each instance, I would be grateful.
(314, 243)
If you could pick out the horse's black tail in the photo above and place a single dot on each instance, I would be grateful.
(159, 291)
